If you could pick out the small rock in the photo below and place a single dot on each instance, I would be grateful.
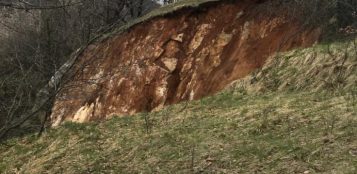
(178, 38)
(170, 63)
(240, 14)
(353, 152)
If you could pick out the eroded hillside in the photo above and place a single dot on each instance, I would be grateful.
(172, 58)
(259, 125)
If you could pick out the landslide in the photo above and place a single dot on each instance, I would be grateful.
(184, 55)
(248, 128)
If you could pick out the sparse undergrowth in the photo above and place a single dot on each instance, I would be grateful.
(326, 66)
(292, 132)
(277, 130)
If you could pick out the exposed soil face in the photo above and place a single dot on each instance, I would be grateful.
(186, 56)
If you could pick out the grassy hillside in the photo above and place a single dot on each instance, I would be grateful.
(262, 126)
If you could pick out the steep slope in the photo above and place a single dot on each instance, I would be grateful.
(323, 67)
(172, 58)
(253, 129)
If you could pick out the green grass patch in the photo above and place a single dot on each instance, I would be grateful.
(290, 132)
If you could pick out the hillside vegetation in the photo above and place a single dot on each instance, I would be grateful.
(296, 115)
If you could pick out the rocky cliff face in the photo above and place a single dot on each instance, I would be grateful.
(189, 54)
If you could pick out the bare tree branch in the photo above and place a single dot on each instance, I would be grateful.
(28, 6)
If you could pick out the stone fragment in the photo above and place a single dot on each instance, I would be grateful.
(178, 38)
(170, 63)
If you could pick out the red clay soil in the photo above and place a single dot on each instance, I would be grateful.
(185, 56)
